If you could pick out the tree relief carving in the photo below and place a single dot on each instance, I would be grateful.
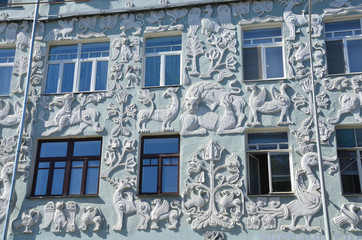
(198, 118)
(62, 33)
(212, 194)
(158, 16)
(27, 220)
(350, 215)
(307, 204)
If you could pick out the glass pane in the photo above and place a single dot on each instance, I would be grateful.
(93, 163)
(345, 138)
(52, 78)
(252, 63)
(160, 145)
(41, 182)
(254, 138)
(5, 79)
(172, 71)
(149, 180)
(7, 55)
(174, 161)
(97, 48)
(101, 77)
(87, 148)
(154, 161)
(262, 33)
(258, 170)
(152, 77)
(163, 41)
(53, 149)
(75, 181)
(274, 62)
(349, 171)
(59, 164)
(92, 181)
(359, 137)
(63, 52)
(166, 161)
(169, 179)
(341, 26)
(77, 164)
(335, 57)
(354, 48)
(44, 165)
(58, 181)
(280, 172)
(68, 77)
(85, 76)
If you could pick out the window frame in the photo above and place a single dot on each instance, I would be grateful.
(268, 152)
(8, 64)
(344, 42)
(159, 166)
(78, 60)
(68, 159)
(263, 47)
(162, 56)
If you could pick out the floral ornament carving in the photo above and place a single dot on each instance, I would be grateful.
(240, 8)
(126, 49)
(20, 69)
(7, 119)
(157, 16)
(121, 115)
(306, 205)
(262, 7)
(114, 158)
(350, 214)
(90, 215)
(196, 119)
(108, 22)
(166, 116)
(63, 32)
(333, 12)
(194, 48)
(340, 3)
(87, 23)
(293, 20)
(280, 103)
(214, 235)
(3, 16)
(28, 219)
(130, 21)
(163, 210)
(212, 194)
(303, 134)
(342, 83)
(62, 218)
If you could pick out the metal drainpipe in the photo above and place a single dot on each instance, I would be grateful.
(21, 127)
(327, 228)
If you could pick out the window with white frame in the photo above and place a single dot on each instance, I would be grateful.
(344, 46)
(162, 61)
(268, 160)
(6, 69)
(263, 54)
(349, 143)
(80, 67)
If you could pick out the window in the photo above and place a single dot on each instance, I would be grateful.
(162, 61)
(159, 165)
(269, 169)
(67, 167)
(6, 69)
(263, 54)
(344, 47)
(4, 3)
(77, 68)
(349, 143)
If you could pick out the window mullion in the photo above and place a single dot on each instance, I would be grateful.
(60, 78)
(162, 70)
(50, 178)
(84, 177)
(346, 58)
(94, 75)
(270, 174)
(159, 175)
(359, 166)
(263, 62)
(77, 69)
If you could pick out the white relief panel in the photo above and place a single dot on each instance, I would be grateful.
(27, 220)
(62, 33)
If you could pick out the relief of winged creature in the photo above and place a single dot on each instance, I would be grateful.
(351, 215)
(7, 119)
(27, 220)
(63, 32)
(61, 218)
(89, 215)
(162, 211)
(131, 21)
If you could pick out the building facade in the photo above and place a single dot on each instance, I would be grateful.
(168, 119)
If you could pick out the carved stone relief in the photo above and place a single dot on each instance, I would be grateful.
(131, 21)
(67, 27)
(350, 214)
(90, 215)
(86, 23)
(126, 49)
(157, 16)
(28, 219)
(163, 210)
(212, 194)
(340, 11)
(20, 69)
(196, 119)
(10, 32)
(132, 76)
(214, 235)
(307, 204)
(280, 103)
(194, 48)
(23, 37)
(62, 218)
(166, 116)
(7, 119)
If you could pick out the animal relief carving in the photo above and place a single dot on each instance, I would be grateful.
(126, 49)
(7, 119)
(351, 215)
(90, 215)
(63, 32)
(131, 21)
(62, 218)
(162, 211)
(28, 220)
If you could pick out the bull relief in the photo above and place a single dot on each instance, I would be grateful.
(201, 100)
(212, 194)
(306, 205)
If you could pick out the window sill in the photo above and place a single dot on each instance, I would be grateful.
(286, 194)
(59, 94)
(163, 195)
(352, 195)
(343, 74)
(64, 196)
(263, 80)
(167, 86)
(12, 6)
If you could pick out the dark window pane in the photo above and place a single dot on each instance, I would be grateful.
(335, 57)
(68, 77)
(52, 79)
(359, 137)
(149, 180)
(169, 179)
(274, 62)
(53, 149)
(75, 181)
(92, 181)
(41, 182)
(172, 71)
(87, 148)
(58, 181)
(44, 165)
(342, 26)
(160, 145)
(354, 48)
(258, 170)
(95, 47)
(163, 41)
(262, 33)
(255, 138)
(152, 77)
(252, 63)
(280, 172)
(85, 76)
(349, 171)
(66, 52)
(77, 164)
(101, 78)
(345, 138)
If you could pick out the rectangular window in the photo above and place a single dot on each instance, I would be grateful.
(4, 3)
(269, 169)
(6, 69)
(344, 46)
(67, 167)
(81, 67)
(160, 165)
(163, 62)
(349, 143)
(263, 54)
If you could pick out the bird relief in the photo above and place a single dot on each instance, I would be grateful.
(90, 215)
(126, 49)
(23, 37)
(62, 218)
(280, 103)
(212, 193)
(132, 76)
(158, 16)
(166, 115)
(27, 220)
(307, 204)
(130, 21)
(62, 33)
(350, 214)
(7, 119)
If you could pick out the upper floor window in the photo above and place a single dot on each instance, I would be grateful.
(77, 68)
(4, 3)
(344, 47)
(263, 54)
(160, 165)
(349, 143)
(67, 167)
(6, 69)
(163, 62)
(269, 168)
